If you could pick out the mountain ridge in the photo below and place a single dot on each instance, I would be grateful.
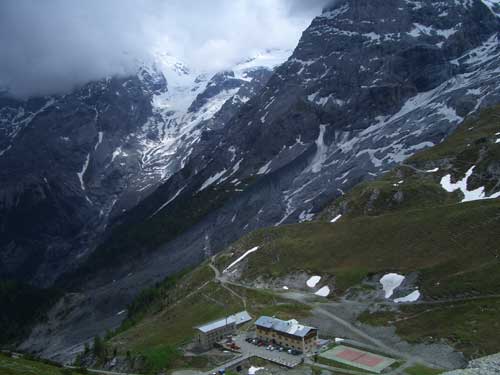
(125, 136)
(370, 84)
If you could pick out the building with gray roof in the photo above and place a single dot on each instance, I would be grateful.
(210, 333)
(286, 333)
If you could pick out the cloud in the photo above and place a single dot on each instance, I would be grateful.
(52, 46)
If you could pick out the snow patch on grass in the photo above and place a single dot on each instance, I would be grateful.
(469, 195)
(253, 250)
(336, 218)
(412, 297)
(323, 292)
(313, 281)
(391, 282)
(253, 370)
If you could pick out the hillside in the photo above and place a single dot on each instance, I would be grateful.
(25, 366)
(403, 222)
(161, 188)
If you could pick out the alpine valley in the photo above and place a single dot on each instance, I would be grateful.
(136, 208)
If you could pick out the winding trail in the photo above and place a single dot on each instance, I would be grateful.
(223, 283)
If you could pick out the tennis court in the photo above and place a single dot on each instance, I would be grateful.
(358, 358)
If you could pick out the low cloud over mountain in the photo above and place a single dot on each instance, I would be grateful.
(55, 45)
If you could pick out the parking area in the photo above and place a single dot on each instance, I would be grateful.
(274, 355)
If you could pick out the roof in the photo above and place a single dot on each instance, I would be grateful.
(238, 319)
(291, 327)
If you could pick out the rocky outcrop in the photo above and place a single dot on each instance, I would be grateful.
(489, 365)
(62, 171)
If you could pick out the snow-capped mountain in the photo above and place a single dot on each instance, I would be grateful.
(370, 83)
(182, 112)
(70, 163)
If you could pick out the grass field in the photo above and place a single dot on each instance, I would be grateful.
(422, 370)
(331, 363)
(454, 248)
(471, 326)
(22, 366)
(160, 334)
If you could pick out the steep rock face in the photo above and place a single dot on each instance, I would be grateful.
(60, 173)
(370, 83)
(70, 164)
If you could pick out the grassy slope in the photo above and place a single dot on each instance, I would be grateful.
(422, 370)
(402, 221)
(22, 366)
(471, 144)
(167, 323)
(452, 246)
(470, 326)
(406, 222)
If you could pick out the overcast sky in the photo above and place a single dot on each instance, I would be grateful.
(52, 46)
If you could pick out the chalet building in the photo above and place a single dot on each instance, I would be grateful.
(289, 334)
(209, 334)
